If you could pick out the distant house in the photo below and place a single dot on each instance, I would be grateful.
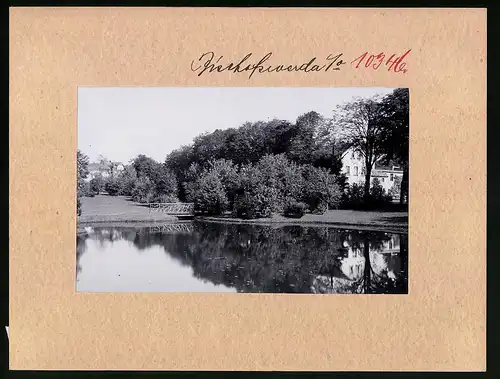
(353, 166)
(105, 169)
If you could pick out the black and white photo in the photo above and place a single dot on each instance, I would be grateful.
(243, 190)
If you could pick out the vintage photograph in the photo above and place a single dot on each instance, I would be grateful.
(243, 189)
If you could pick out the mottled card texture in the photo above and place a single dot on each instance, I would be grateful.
(439, 325)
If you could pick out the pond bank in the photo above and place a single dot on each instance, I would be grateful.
(383, 221)
(104, 209)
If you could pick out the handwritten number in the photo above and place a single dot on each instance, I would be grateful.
(369, 61)
(393, 63)
(360, 58)
(380, 59)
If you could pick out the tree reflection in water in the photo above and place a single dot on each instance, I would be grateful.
(277, 259)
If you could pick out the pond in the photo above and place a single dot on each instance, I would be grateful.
(223, 257)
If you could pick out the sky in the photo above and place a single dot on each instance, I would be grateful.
(123, 122)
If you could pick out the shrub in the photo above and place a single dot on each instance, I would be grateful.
(294, 208)
(164, 180)
(112, 187)
(165, 199)
(78, 206)
(254, 197)
(143, 190)
(354, 198)
(395, 190)
(207, 193)
(127, 180)
(96, 185)
(378, 197)
(84, 190)
(228, 173)
(252, 205)
(321, 189)
(244, 206)
(282, 178)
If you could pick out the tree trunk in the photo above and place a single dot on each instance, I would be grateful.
(367, 182)
(404, 185)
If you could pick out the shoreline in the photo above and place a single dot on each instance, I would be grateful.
(108, 211)
(392, 228)
(279, 222)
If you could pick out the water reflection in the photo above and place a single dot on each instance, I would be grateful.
(215, 257)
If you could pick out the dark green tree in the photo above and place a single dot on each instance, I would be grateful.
(359, 121)
(82, 162)
(395, 125)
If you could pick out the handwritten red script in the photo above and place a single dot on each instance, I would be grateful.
(393, 62)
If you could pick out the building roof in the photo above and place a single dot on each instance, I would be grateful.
(379, 174)
(390, 166)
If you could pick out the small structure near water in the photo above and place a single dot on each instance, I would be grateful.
(174, 209)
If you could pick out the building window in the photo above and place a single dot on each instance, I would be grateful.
(392, 177)
(352, 155)
(347, 170)
(363, 172)
(355, 170)
(382, 180)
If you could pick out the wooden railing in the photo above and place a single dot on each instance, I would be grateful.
(175, 209)
(186, 227)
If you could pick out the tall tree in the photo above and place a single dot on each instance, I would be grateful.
(82, 163)
(395, 132)
(144, 166)
(302, 145)
(361, 128)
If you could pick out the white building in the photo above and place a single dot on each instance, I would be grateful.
(104, 169)
(353, 166)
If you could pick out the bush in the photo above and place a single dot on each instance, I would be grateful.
(164, 180)
(127, 180)
(354, 198)
(96, 185)
(228, 175)
(112, 187)
(85, 190)
(143, 190)
(395, 190)
(321, 189)
(295, 209)
(254, 197)
(244, 207)
(165, 199)
(207, 193)
(78, 207)
(282, 178)
(250, 206)
(378, 197)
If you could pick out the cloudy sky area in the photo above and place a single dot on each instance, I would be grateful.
(122, 122)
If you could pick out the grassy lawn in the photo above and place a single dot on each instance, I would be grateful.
(384, 221)
(363, 217)
(119, 209)
(104, 208)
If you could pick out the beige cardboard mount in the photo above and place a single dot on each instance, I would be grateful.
(439, 325)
